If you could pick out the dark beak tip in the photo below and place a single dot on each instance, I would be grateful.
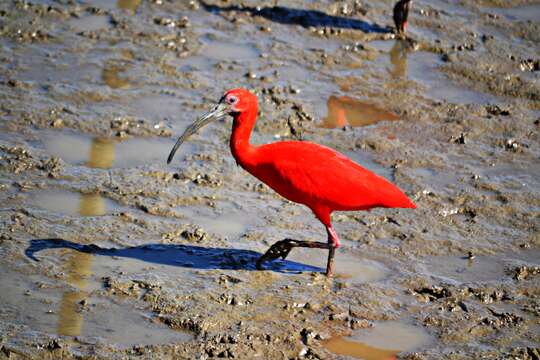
(170, 158)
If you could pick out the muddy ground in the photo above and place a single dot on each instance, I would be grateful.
(107, 252)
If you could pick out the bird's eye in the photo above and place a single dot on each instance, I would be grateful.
(232, 100)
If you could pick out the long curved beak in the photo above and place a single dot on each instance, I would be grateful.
(219, 111)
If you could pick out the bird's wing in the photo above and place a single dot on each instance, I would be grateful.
(313, 174)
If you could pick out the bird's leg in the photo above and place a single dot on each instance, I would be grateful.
(333, 244)
(283, 247)
(330, 263)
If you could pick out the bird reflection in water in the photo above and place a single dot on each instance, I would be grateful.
(101, 153)
(110, 74)
(131, 5)
(358, 350)
(398, 57)
(91, 205)
(79, 265)
(70, 318)
(346, 111)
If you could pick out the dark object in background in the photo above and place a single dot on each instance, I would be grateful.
(401, 12)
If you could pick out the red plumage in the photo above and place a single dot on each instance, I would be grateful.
(314, 175)
(307, 173)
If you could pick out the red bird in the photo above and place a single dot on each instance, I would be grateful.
(314, 175)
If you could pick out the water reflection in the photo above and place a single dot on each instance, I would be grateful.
(127, 54)
(381, 342)
(344, 110)
(79, 265)
(131, 5)
(398, 58)
(92, 205)
(70, 317)
(110, 76)
(348, 267)
(341, 346)
(71, 203)
(101, 153)
(105, 153)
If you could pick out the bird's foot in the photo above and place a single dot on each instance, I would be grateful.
(279, 250)
(282, 248)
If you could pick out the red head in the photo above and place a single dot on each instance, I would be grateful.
(239, 100)
(235, 102)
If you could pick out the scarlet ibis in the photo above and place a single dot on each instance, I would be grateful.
(314, 175)
(401, 12)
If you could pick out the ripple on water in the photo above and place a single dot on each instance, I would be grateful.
(383, 341)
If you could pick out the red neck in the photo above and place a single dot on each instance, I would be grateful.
(243, 124)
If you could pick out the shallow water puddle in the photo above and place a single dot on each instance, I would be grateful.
(422, 67)
(518, 13)
(75, 317)
(90, 23)
(344, 110)
(78, 269)
(75, 312)
(66, 69)
(482, 268)
(104, 153)
(461, 269)
(384, 341)
(230, 225)
(157, 107)
(218, 49)
(348, 267)
(71, 203)
(514, 177)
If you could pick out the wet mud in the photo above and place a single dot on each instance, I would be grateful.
(108, 252)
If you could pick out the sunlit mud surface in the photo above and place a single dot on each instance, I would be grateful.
(108, 252)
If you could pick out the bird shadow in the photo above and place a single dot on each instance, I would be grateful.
(304, 18)
(188, 256)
